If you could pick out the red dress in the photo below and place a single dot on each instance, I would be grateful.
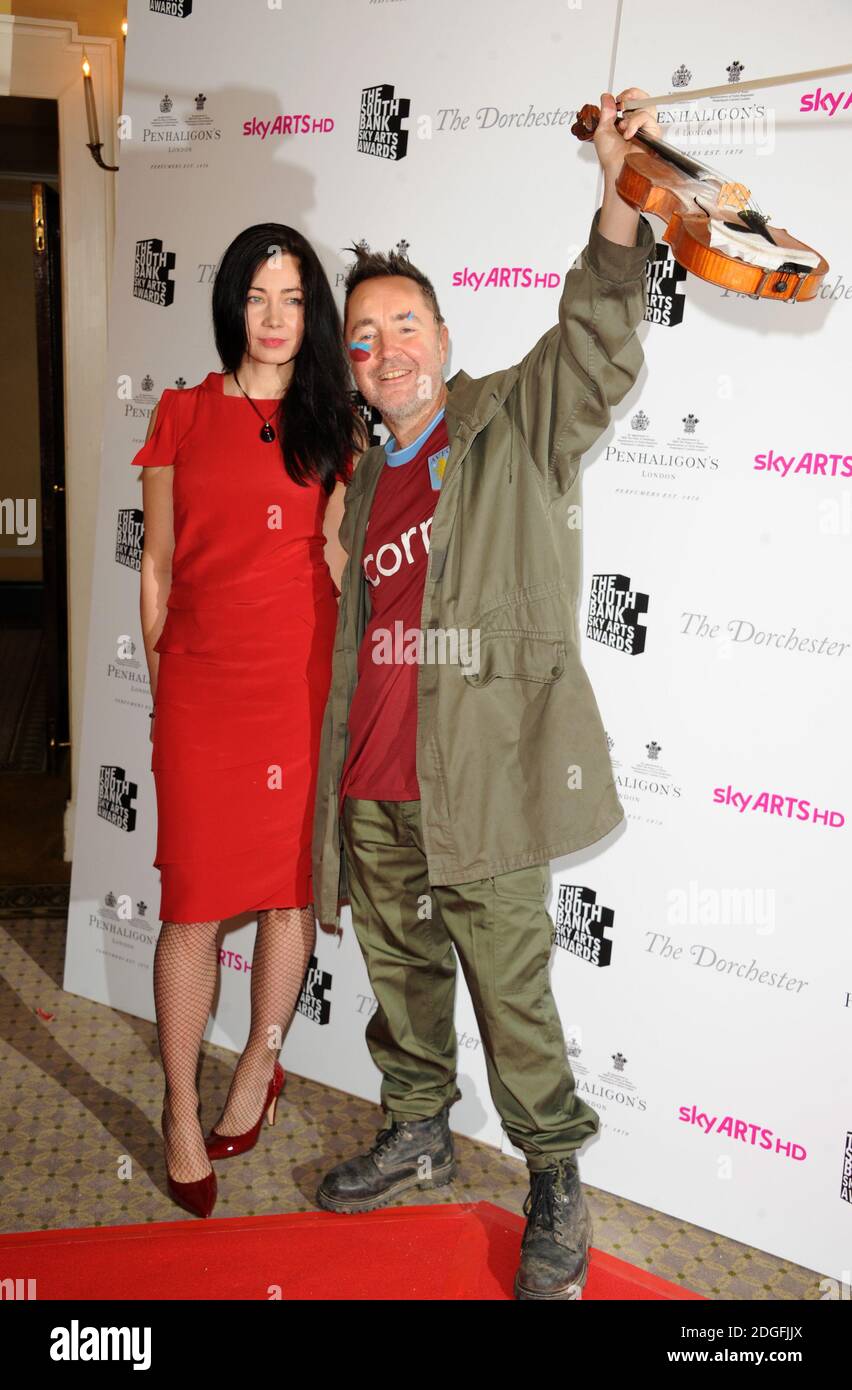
(245, 662)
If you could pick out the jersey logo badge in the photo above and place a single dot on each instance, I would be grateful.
(437, 464)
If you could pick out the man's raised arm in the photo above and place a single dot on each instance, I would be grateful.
(570, 380)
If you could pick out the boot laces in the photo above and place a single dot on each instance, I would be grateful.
(546, 1194)
(385, 1138)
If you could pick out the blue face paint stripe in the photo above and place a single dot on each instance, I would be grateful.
(394, 457)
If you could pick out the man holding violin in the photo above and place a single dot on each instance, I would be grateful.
(444, 790)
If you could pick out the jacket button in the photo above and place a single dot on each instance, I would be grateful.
(554, 671)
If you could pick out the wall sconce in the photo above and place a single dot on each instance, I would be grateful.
(94, 142)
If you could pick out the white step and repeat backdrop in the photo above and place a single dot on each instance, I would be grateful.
(702, 965)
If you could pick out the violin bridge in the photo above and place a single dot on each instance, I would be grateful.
(735, 196)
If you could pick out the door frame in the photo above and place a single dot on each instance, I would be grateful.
(43, 58)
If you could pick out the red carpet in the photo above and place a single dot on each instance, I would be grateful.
(429, 1252)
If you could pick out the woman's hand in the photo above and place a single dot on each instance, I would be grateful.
(610, 141)
(151, 731)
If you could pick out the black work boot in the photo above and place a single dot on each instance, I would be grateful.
(555, 1247)
(413, 1153)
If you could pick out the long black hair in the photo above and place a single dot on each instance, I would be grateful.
(316, 422)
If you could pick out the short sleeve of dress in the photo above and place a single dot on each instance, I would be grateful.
(159, 451)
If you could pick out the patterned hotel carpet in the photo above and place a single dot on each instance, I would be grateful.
(83, 1091)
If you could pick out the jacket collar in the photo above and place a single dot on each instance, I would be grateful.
(473, 400)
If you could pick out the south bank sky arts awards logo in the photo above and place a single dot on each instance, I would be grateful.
(581, 922)
(129, 533)
(116, 795)
(380, 128)
(152, 272)
(312, 1002)
(614, 612)
(173, 9)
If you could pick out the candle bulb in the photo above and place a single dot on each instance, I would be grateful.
(91, 110)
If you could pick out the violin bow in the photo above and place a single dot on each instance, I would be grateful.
(670, 98)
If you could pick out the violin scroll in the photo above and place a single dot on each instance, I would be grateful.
(587, 121)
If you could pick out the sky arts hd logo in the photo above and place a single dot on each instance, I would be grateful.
(380, 120)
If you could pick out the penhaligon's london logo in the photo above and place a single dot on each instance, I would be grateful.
(643, 782)
(128, 670)
(190, 126)
(139, 405)
(146, 396)
(124, 918)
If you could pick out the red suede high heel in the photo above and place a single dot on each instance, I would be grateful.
(197, 1197)
(227, 1145)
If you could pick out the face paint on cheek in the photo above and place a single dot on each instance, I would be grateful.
(359, 352)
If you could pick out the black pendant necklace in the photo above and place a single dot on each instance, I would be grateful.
(267, 433)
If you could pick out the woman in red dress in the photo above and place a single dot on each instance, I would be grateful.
(242, 492)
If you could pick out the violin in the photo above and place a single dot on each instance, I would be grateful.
(713, 226)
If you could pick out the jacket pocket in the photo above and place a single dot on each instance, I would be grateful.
(518, 656)
(530, 882)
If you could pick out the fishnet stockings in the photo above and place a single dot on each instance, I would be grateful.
(185, 971)
(283, 946)
(186, 962)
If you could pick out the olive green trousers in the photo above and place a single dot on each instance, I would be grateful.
(410, 934)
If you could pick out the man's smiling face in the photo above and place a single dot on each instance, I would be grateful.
(396, 346)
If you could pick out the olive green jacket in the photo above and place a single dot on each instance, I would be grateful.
(512, 760)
